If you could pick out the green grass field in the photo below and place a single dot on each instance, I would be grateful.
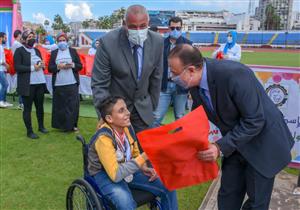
(35, 175)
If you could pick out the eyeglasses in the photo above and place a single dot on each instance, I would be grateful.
(178, 28)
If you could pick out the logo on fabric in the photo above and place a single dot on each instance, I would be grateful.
(278, 94)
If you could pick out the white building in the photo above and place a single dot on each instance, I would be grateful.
(283, 9)
(216, 21)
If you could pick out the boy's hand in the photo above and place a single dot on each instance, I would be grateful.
(149, 172)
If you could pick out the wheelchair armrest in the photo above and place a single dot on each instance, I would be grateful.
(81, 139)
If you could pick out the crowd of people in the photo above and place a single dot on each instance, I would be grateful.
(136, 75)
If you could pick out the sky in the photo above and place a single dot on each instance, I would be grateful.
(78, 10)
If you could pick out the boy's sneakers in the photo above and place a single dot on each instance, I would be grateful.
(3, 104)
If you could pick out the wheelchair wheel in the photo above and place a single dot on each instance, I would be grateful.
(81, 196)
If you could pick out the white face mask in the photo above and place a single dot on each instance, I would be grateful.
(229, 39)
(137, 36)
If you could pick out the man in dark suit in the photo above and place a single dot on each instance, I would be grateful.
(129, 63)
(256, 142)
(169, 90)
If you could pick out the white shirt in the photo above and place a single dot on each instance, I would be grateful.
(15, 46)
(64, 76)
(92, 51)
(2, 58)
(50, 47)
(36, 77)
(234, 54)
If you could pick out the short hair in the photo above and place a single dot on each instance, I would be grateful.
(107, 105)
(136, 9)
(17, 33)
(153, 28)
(187, 54)
(2, 34)
(175, 20)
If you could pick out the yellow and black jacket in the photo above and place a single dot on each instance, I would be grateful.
(102, 154)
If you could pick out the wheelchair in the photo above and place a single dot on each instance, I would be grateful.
(84, 194)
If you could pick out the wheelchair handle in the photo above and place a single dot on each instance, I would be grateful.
(81, 139)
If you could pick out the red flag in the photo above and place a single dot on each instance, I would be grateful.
(10, 61)
(89, 62)
(220, 55)
(46, 57)
(172, 150)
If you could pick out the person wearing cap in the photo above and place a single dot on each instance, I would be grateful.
(65, 66)
(31, 82)
(93, 49)
(230, 50)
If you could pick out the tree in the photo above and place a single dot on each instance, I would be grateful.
(85, 24)
(105, 22)
(58, 24)
(40, 30)
(272, 21)
(46, 23)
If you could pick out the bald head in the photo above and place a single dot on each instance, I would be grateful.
(136, 17)
(187, 54)
(136, 10)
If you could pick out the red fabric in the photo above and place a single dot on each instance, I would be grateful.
(220, 55)
(10, 61)
(89, 62)
(82, 59)
(46, 58)
(173, 154)
(86, 60)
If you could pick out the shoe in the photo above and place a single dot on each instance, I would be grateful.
(32, 136)
(75, 129)
(43, 130)
(2, 104)
(20, 106)
(8, 104)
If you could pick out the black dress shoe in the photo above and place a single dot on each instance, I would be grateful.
(32, 136)
(43, 130)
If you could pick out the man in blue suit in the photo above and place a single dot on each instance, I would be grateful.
(169, 90)
(256, 142)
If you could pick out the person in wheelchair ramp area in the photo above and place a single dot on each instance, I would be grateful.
(114, 160)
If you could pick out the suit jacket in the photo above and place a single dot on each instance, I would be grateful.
(247, 118)
(52, 67)
(114, 72)
(167, 45)
(22, 65)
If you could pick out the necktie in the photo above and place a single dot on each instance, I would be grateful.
(136, 60)
(207, 101)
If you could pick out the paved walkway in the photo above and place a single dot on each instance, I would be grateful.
(282, 196)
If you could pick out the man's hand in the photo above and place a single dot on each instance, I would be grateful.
(149, 172)
(211, 154)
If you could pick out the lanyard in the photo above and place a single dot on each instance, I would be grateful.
(123, 144)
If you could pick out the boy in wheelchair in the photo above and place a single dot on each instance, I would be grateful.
(115, 162)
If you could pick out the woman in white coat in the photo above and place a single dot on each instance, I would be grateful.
(230, 50)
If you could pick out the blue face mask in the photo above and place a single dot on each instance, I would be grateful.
(62, 45)
(175, 34)
(178, 81)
